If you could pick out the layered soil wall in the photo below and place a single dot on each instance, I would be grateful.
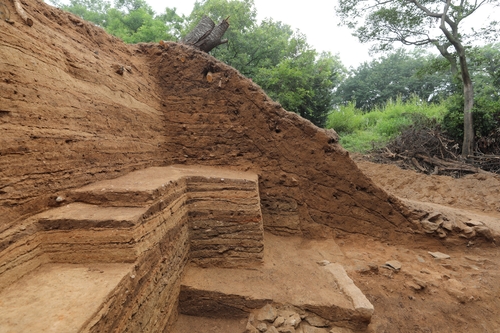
(78, 105)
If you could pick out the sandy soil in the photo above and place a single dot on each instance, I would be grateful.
(460, 294)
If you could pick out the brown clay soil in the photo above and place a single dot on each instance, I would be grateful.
(460, 294)
(78, 106)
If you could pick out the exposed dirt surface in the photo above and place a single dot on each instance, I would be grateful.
(459, 294)
(78, 106)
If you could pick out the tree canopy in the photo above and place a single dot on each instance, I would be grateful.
(414, 22)
(399, 74)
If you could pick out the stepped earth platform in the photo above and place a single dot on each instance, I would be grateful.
(130, 253)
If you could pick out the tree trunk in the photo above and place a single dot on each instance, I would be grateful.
(468, 144)
(206, 35)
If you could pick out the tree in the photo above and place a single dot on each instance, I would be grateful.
(304, 84)
(275, 57)
(411, 22)
(484, 63)
(397, 75)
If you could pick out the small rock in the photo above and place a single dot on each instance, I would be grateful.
(393, 264)
(474, 223)
(447, 225)
(421, 283)
(279, 321)
(441, 233)
(317, 321)
(420, 259)
(286, 329)
(429, 227)
(118, 69)
(439, 255)
(484, 232)
(306, 328)
(262, 327)
(434, 217)
(272, 329)
(251, 329)
(413, 285)
(468, 232)
(59, 199)
(323, 262)
(267, 313)
(373, 267)
(294, 320)
(362, 269)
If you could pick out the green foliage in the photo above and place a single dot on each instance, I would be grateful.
(399, 74)
(275, 57)
(271, 53)
(361, 131)
(485, 68)
(303, 84)
(131, 20)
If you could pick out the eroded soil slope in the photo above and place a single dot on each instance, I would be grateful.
(78, 105)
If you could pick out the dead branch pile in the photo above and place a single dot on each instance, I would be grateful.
(430, 151)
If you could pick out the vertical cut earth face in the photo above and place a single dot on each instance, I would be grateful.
(68, 118)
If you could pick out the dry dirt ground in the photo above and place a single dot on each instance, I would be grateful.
(459, 294)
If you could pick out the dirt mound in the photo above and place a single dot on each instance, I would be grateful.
(477, 192)
(79, 105)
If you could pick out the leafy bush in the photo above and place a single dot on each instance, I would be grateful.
(360, 131)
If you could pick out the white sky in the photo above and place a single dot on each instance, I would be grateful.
(315, 18)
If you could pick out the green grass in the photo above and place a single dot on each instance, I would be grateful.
(362, 131)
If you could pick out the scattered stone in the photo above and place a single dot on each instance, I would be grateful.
(429, 227)
(441, 233)
(59, 199)
(323, 262)
(421, 283)
(267, 313)
(416, 284)
(294, 320)
(373, 267)
(447, 225)
(362, 269)
(262, 327)
(424, 271)
(306, 328)
(251, 329)
(317, 321)
(439, 255)
(420, 259)
(413, 285)
(393, 264)
(435, 217)
(468, 232)
(474, 223)
(484, 232)
(272, 329)
(286, 329)
(280, 320)
(361, 304)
